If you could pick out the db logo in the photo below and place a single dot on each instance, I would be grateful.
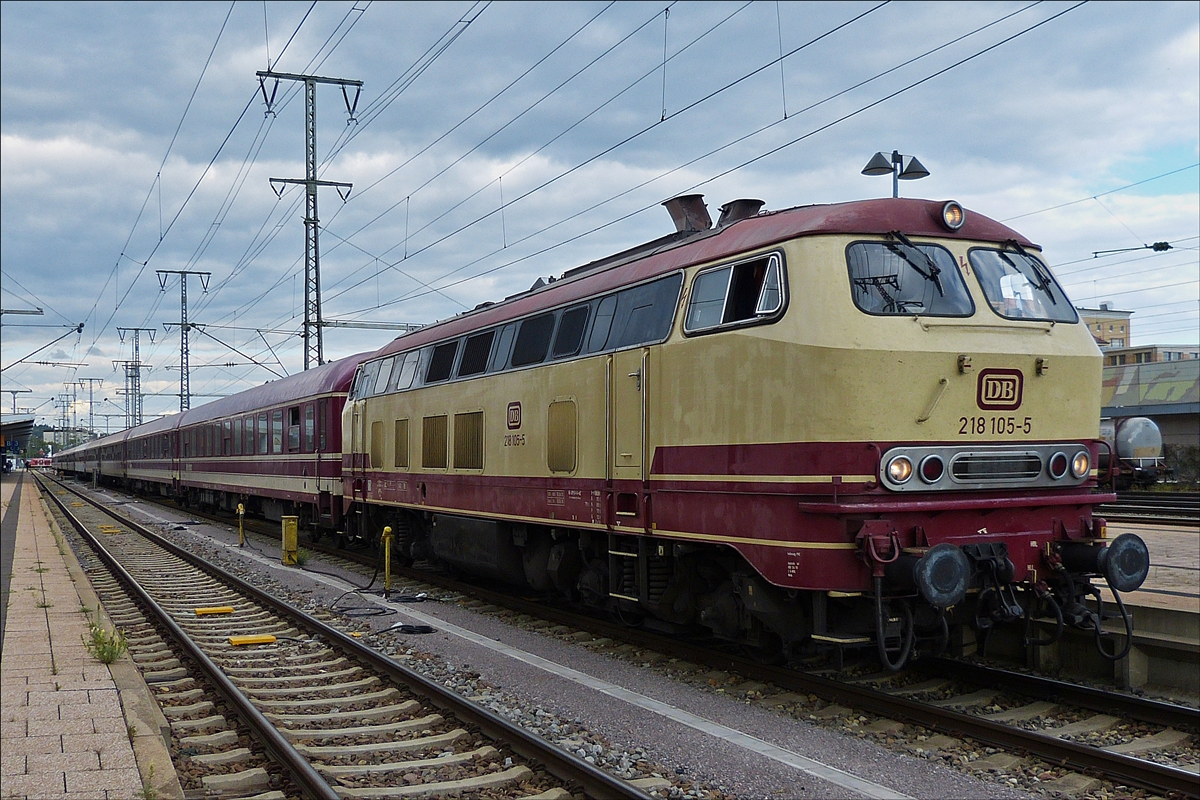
(514, 416)
(999, 389)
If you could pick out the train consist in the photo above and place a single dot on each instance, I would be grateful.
(860, 424)
(276, 449)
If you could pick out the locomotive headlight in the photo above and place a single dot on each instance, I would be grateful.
(1057, 466)
(1081, 464)
(953, 215)
(900, 469)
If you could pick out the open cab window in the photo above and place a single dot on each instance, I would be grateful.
(736, 294)
(901, 278)
(1019, 286)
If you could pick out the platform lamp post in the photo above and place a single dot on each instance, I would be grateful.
(899, 166)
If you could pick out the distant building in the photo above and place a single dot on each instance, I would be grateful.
(1149, 354)
(1109, 327)
(1166, 392)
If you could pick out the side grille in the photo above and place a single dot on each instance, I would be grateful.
(973, 467)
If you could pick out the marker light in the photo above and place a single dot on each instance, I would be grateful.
(932, 468)
(1081, 464)
(1057, 466)
(953, 215)
(900, 469)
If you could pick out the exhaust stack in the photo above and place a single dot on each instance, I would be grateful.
(737, 210)
(689, 213)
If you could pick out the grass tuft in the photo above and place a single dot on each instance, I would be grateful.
(106, 646)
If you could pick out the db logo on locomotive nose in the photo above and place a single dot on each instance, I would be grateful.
(999, 389)
(514, 416)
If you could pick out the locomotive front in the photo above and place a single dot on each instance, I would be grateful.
(936, 400)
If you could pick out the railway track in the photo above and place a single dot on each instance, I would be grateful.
(1111, 735)
(1165, 508)
(303, 708)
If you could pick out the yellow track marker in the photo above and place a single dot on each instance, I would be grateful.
(200, 612)
(256, 638)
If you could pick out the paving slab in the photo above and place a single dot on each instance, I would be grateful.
(68, 731)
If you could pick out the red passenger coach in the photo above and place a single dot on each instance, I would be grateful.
(275, 448)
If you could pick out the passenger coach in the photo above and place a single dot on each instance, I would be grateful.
(275, 449)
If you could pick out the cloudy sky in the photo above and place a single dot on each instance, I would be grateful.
(498, 142)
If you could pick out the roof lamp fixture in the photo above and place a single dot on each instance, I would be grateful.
(899, 166)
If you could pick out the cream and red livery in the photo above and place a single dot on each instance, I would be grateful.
(275, 449)
(826, 425)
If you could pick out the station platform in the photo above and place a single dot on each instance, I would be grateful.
(71, 726)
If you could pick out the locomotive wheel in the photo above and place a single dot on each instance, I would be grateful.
(629, 617)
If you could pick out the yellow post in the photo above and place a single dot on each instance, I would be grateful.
(387, 561)
(290, 546)
(241, 530)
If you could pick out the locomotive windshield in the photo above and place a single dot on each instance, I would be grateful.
(899, 277)
(1020, 286)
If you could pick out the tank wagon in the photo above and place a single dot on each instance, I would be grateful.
(1137, 444)
(275, 449)
(864, 424)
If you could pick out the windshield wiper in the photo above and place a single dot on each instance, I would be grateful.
(934, 271)
(1044, 281)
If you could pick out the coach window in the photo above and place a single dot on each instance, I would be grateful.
(237, 436)
(277, 431)
(898, 277)
(736, 294)
(533, 340)
(308, 428)
(293, 429)
(248, 447)
(441, 362)
(262, 433)
(403, 372)
(227, 439)
(475, 354)
(570, 332)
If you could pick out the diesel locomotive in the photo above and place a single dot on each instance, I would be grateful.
(867, 424)
(853, 424)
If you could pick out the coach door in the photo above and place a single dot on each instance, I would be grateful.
(627, 414)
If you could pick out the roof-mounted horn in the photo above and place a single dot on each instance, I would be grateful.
(736, 210)
(689, 213)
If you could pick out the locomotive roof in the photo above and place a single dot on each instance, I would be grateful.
(910, 216)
